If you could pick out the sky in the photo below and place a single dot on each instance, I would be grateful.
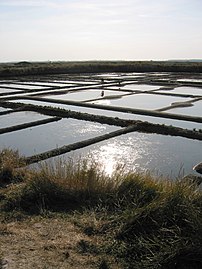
(68, 30)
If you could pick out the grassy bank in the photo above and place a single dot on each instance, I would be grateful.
(42, 68)
(127, 220)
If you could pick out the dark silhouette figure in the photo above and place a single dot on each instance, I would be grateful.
(102, 93)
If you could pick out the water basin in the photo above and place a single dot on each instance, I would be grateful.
(83, 95)
(49, 136)
(143, 101)
(19, 118)
(161, 155)
(177, 123)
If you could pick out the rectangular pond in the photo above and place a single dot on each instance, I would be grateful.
(164, 155)
(47, 84)
(160, 155)
(6, 90)
(195, 110)
(19, 118)
(21, 86)
(56, 134)
(185, 90)
(177, 123)
(140, 87)
(84, 95)
(142, 101)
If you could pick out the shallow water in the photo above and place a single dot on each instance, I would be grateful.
(140, 87)
(2, 109)
(82, 95)
(191, 80)
(161, 155)
(143, 101)
(19, 118)
(52, 135)
(164, 155)
(6, 90)
(21, 87)
(45, 84)
(195, 110)
(121, 115)
(186, 90)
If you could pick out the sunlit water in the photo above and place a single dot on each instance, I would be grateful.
(142, 101)
(162, 155)
(5, 90)
(3, 109)
(83, 95)
(186, 90)
(190, 80)
(140, 87)
(21, 87)
(19, 118)
(195, 110)
(52, 135)
(101, 112)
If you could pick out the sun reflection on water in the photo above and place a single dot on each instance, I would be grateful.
(119, 152)
(154, 154)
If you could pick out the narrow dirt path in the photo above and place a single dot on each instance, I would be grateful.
(48, 243)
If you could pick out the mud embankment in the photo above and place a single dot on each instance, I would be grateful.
(57, 114)
(120, 109)
(28, 125)
(142, 126)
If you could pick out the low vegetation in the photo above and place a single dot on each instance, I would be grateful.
(37, 68)
(126, 220)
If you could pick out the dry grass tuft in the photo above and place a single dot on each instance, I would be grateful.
(9, 161)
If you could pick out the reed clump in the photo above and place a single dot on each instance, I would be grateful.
(144, 222)
(61, 186)
(165, 233)
(9, 161)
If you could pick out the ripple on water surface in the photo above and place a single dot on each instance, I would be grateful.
(52, 135)
(162, 155)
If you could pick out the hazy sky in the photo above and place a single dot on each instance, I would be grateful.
(42, 30)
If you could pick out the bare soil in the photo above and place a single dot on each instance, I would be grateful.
(55, 242)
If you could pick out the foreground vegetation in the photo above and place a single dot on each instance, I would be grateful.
(127, 220)
(37, 68)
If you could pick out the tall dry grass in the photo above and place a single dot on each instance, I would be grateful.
(146, 222)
